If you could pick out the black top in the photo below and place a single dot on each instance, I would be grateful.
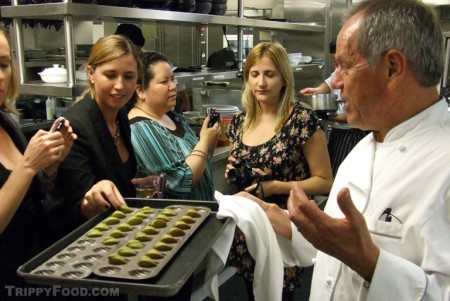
(93, 157)
(19, 241)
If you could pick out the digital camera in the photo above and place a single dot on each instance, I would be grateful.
(213, 117)
(242, 175)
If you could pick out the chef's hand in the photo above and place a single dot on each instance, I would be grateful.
(308, 91)
(277, 216)
(101, 197)
(347, 239)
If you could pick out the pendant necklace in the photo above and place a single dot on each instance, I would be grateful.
(116, 137)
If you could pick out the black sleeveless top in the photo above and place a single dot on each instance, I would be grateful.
(19, 242)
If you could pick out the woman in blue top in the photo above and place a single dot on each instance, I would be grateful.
(162, 138)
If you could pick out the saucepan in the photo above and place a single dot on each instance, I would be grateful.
(322, 102)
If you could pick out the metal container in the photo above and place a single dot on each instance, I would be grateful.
(322, 102)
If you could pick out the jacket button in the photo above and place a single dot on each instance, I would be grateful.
(402, 148)
(329, 280)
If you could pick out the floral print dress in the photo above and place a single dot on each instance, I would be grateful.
(282, 159)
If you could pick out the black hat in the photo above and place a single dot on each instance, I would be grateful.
(132, 32)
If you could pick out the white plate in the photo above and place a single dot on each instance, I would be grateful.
(81, 75)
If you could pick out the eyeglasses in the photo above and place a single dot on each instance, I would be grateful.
(387, 216)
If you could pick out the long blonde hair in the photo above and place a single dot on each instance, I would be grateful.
(276, 53)
(13, 88)
(109, 48)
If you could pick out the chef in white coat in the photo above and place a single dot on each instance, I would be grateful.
(384, 233)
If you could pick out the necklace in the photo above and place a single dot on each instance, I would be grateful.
(116, 137)
(151, 115)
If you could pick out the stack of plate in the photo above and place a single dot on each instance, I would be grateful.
(81, 76)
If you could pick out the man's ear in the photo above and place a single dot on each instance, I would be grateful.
(396, 63)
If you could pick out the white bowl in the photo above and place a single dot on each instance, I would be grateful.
(54, 75)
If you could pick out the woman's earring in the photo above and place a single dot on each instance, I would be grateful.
(92, 80)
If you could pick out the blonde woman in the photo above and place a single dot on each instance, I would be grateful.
(97, 172)
(24, 172)
(278, 141)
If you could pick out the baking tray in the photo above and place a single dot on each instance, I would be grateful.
(170, 279)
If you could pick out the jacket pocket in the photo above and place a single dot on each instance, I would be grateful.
(382, 230)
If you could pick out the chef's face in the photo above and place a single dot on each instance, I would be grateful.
(114, 81)
(5, 67)
(265, 80)
(360, 84)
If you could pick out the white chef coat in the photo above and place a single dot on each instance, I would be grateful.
(410, 173)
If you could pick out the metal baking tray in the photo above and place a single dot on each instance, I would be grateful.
(168, 281)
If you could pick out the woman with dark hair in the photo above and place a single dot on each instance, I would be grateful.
(162, 138)
(25, 172)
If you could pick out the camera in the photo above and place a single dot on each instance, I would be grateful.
(241, 175)
(213, 117)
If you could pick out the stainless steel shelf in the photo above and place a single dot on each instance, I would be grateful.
(44, 89)
(205, 75)
(64, 90)
(90, 12)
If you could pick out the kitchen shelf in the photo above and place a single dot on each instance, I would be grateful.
(69, 12)
(92, 12)
(63, 90)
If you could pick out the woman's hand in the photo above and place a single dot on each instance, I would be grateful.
(210, 135)
(67, 134)
(100, 198)
(230, 165)
(66, 138)
(47, 148)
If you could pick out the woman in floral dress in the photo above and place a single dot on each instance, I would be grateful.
(281, 141)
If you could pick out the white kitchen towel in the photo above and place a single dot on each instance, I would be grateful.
(261, 242)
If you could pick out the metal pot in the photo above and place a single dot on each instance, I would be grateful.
(322, 102)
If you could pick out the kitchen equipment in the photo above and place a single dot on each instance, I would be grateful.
(219, 7)
(54, 75)
(122, 3)
(203, 6)
(81, 75)
(170, 279)
(154, 4)
(295, 58)
(35, 53)
(322, 102)
(183, 6)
